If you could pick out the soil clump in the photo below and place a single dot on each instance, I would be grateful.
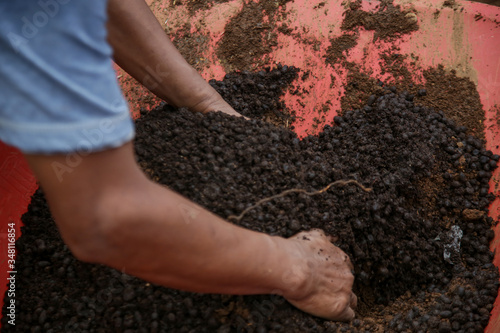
(192, 46)
(388, 22)
(250, 35)
(257, 95)
(338, 46)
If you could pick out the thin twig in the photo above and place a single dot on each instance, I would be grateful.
(298, 190)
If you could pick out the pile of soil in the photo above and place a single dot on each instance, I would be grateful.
(440, 91)
(437, 88)
(257, 95)
(440, 88)
(418, 240)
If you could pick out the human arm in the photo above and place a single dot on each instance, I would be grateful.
(143, 50)
(108, 212)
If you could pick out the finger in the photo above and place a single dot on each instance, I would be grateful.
(299, 235)
(332, 239)
(354, 301)
(317, 232)
(348, 262)
(347, 315)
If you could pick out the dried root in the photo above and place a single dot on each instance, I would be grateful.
(298, 190)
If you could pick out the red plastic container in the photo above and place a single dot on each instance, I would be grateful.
(464, 37)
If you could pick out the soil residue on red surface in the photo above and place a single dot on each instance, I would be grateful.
(192, 46)
(339, 47)
(388, 22)
(246, 40)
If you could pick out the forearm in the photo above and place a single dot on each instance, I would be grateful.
(180, 245)
(108, 212)
(142, 48)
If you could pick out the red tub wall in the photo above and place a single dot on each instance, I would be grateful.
(480, 42)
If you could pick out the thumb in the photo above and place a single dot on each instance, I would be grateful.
(347, 315)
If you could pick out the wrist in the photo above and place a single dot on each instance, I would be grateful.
(205, 100)
(294, 273)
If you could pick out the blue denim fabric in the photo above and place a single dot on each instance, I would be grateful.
(58, 88)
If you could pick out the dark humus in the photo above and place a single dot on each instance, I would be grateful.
(419, 239)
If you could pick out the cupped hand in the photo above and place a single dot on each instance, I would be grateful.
(322, 285)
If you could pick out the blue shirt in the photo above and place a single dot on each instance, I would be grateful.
(58, 88)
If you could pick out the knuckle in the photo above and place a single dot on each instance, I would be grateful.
(344, 301)
(317, 232)
(301, 234)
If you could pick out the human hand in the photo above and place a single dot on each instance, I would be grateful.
(322, 284)
(213, 102)
(141, 47)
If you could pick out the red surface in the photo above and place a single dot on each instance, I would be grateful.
(455, 39)
(17, 184)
